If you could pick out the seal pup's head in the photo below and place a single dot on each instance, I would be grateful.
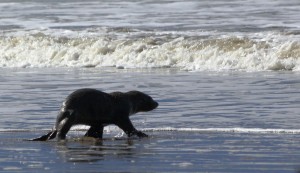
(141, 102)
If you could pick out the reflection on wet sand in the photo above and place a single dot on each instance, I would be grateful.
(93, 150)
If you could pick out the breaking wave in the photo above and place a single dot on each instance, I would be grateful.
(256, 52)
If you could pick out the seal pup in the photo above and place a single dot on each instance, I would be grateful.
(98, 109)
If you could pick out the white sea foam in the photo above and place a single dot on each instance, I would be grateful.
(256, 52)
(225, 130)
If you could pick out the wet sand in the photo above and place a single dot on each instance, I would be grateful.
(163, 152)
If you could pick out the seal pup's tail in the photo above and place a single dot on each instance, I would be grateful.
(46, 137)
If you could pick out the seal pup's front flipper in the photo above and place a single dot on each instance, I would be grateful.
(46, 137)
(125, 124)
(95, 132)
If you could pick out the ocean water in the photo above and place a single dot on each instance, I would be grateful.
(226, 76)
(190, 35)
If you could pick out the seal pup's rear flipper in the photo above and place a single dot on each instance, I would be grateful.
(46, 137)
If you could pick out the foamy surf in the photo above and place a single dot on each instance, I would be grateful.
(192, 52)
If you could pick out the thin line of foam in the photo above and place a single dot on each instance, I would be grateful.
(225, 130)
(172, 129)
(22, 130)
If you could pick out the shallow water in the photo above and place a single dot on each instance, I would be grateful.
(210, 99)
(206, 122)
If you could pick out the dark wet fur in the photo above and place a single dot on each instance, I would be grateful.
(98, 109)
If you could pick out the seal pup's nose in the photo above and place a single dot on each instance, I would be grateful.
(155, 104)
